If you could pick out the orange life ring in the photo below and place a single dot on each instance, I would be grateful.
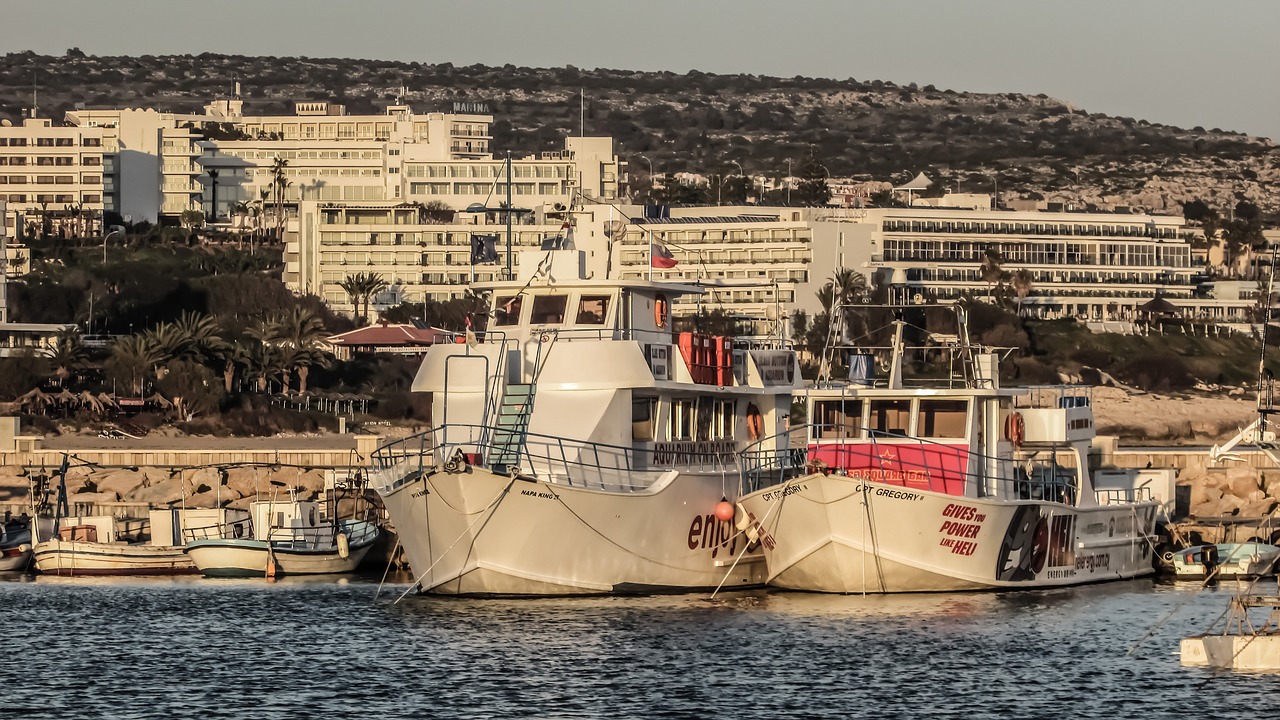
(755, 422)
(1015, 428)
(660, 310)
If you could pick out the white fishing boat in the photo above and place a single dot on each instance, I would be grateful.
(109, 545)
(580, 446)
(954, 484)
(281, 537)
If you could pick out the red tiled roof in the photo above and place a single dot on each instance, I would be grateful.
(389, 335)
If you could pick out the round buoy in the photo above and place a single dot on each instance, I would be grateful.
(23, 548)
(724, 510)
(344, 546)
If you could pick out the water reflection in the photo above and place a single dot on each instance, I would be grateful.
(164, 647)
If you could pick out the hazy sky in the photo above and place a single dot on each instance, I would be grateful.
(1178, 62)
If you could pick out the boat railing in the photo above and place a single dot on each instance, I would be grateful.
(901, 460)
(320, 536)
(241, 529)
(579, 463)
(1124, 496)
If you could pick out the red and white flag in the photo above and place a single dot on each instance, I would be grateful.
(660, 256)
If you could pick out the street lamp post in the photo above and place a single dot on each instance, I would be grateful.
(104, 245)
(739, 165)
(995, 188)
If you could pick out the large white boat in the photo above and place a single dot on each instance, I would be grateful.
(580, 446)
(958, 484)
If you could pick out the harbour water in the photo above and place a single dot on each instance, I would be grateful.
(190, 647)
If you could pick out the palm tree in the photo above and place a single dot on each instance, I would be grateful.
(1022, 281)
(201, 336)
(238, 211)
(993, 275)
(132, 356)
(301, 331)
(278, 184)
(68, 354)
(360, 288)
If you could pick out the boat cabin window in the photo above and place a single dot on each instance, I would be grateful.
(506, 310)
(680, 426)
(706, 414)
(891, 417)
(943, 418)
(549, 309)
(644, 414)
(838, 418)
(726, 421)
(592, 310)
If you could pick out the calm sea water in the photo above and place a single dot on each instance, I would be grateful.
(144, 648)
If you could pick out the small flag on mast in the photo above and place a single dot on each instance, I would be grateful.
(660, 256)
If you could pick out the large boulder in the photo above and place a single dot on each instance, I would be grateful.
(246, 481)
(1203, 496)
(120, 482)
(167, 492)
(91, 498)
(204, 477)
(212, 498)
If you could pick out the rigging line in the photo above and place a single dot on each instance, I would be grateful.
(444, 554)
(390, 559)
(608, 539)
(1245, 612)
(747, 546)
(1176, 608)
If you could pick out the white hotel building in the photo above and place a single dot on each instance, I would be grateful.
(50, 172)
(162, 164)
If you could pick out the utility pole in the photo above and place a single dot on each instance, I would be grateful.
(4, 261)
(509, 209)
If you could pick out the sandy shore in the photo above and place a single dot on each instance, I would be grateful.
(1147, 418)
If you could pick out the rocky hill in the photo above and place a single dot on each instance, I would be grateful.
(700, 122)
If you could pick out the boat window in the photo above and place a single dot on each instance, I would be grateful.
(592, 309)
(726, 420)
(891, 417)
(549, 309)
(943, 418)
(506, 310)
(838, 418)
(706, 414)
(643, 416)
(680, 426)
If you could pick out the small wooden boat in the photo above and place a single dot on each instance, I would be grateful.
(106, 545)
(1231, 560)
(283, 537)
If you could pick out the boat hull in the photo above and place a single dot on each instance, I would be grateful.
(15, 558)
(474, 532)
(840, 534)
(249, 558)
(71, 557)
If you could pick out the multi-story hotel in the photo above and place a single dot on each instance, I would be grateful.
(163, 164)
(50, 176)
(1091, 266)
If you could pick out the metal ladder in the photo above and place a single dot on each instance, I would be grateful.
(511, 426)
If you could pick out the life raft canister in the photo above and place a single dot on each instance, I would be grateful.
(1015, 428)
